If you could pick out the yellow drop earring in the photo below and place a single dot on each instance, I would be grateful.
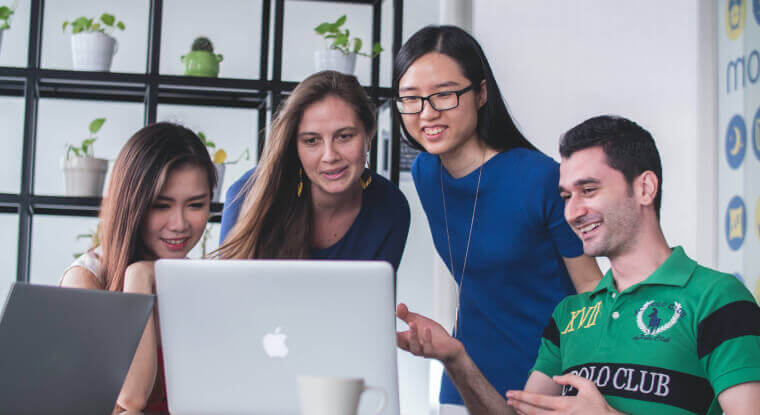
(364, 183)
(300, 182)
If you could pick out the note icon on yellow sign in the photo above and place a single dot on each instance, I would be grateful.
(736, 223)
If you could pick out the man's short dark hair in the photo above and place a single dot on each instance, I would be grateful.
(629, 148)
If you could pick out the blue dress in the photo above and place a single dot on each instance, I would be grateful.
(515, 274)
(378, 233)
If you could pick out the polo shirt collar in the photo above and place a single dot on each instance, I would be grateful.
(606, 284)
(675, 271)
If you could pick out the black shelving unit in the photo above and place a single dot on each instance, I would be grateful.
(152, 88)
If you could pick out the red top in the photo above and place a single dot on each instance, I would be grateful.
(157, 399)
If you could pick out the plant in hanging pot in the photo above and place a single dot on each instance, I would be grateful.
(219, 157)
(201, 60)
(92, 46)
(84, 174)
(340, 55)
(93, 235)
(5, 20)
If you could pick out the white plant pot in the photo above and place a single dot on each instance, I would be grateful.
(84, 176)
(219, 182)
(93, 51)
(1, 39)
(335, 60)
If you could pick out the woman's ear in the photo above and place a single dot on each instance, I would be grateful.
(482, 94)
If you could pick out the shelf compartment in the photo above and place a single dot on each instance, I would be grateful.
(225, 92)
(77, 206)
(97, 86)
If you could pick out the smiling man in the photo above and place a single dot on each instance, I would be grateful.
(660, 334)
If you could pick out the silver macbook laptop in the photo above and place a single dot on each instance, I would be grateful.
(235, 334)
(66, 350)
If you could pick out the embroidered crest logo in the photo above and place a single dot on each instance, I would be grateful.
(650, 319)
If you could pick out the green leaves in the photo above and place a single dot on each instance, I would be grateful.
(107, 19)
(96, 124)
(72, 149)
(5, 17)
(341, 39)
(340, 42)
(333, 28)
(86, 148)
(323, 28)
(376, 49)
(209, 144)
(338, 23)
(79, 25)
(89, 25)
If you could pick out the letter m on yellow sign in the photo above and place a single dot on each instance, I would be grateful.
(586, 315)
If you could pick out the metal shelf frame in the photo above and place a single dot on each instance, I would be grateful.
(152, 88)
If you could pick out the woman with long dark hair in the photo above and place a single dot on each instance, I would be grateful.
(492, 205)
(157, 206)
(311, 195)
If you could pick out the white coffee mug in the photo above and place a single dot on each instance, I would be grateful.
(325, 395)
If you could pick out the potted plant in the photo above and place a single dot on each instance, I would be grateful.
(219, 157)
(204, 241)
(84, 174)
(92, 46)
(5, 20)
(340, 55)
(201, 60)
(93, 235)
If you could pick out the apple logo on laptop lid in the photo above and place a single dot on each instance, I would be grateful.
(274, 343)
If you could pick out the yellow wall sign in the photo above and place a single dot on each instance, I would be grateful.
(736, 12)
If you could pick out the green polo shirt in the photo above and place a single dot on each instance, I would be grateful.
(668, 345)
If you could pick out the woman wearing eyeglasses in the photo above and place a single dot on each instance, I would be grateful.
(492, 205)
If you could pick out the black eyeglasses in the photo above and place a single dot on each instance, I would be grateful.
(440, 101)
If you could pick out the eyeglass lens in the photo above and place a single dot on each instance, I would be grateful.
(441, 101)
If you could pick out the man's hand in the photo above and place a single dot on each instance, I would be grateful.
(588, 400)
(427, 338)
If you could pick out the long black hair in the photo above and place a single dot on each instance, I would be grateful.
(495, 126)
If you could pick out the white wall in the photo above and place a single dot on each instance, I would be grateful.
(559, 63)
